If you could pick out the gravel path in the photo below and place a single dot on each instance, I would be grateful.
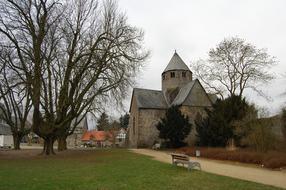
(240, 171)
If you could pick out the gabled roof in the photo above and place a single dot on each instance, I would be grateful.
(176, 63)
(183, 93)
(146, 98)
(186, 91)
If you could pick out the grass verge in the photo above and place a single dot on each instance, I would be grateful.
(107, 169)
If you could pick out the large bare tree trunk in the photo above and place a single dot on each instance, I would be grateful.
(16, 139)
(62, 143)
(48, 146)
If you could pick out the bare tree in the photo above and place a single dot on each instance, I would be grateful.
(64, 132)
(16, 102)
(233, 66)
(72, 53)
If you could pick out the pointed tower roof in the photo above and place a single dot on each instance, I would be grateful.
(176, 63)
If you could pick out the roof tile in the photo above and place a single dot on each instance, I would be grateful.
(96, 135)
(149, 98)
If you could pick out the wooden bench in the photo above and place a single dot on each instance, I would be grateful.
(184, 159)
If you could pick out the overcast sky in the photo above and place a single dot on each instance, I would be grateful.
(192, 27)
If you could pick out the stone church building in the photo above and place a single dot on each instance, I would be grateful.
(149, 106)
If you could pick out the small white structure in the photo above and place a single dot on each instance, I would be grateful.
(6, 138)
(121, 137)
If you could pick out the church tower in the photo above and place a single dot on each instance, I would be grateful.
(174, 77)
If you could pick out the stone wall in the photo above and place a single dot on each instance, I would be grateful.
(132, 133)
(192, 113)
(148, 133)
(148, 119)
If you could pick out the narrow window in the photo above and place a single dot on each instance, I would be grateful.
(163, 77)
(172, 74)
(184, 74)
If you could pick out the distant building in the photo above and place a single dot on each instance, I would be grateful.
(6, 135)
(6, 138)
(120, 140)
(97, 138)
(148, 106)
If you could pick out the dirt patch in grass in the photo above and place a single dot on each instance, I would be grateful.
(272, 159)
(36, 154)
(19, 154)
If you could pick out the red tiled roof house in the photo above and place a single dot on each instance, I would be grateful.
(98, 138)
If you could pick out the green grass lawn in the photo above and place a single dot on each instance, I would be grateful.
(107, 169)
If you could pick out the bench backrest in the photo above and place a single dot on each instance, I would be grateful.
(180, 157)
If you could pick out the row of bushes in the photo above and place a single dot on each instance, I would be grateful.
(272, 159)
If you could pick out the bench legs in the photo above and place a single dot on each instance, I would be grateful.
(191, 165)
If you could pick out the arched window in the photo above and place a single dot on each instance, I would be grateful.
(173, 75)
